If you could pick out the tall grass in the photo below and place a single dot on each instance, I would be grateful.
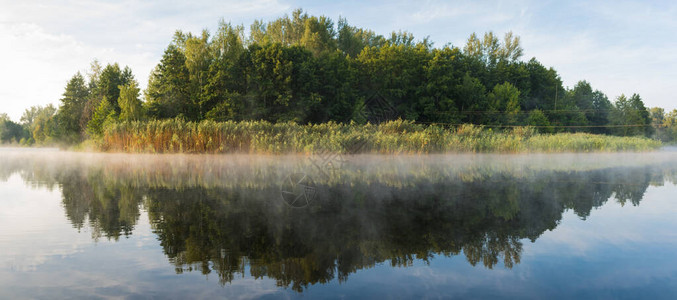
(177, 136)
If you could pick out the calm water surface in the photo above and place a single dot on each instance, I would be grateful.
(468, 226)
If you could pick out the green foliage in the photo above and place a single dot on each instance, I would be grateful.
(585, 142)
(352, 40)
(72, 107)
(11, 132)
(538, 119)
(631, 117)
(167, 95)
(109, 82)
(473, 99)
(308, 70)
(219, 97)
(399, 136)
(436, 97)
(81, 99)
(490, 51)
(130, 105)
(397, 72)
(301, 68)
(104, 114)
(43, 125)
(665, 124)
(282, 83)
(304, 69)
(504, 99)
(29, 116)
(594, 105)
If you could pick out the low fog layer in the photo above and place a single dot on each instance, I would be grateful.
(223, 213)
(241, 169)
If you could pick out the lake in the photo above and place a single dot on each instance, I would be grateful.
(92, 225)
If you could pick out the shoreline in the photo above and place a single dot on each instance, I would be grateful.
(393, 137)
(390, 138)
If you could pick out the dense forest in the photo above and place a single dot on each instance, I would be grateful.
(308, 70)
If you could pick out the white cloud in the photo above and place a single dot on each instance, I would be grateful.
(620, 47)
(476, 12)
(28, 218)
(46, 42)
(37, 65)
(612, 68)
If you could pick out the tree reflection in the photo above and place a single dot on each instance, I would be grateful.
(110, 209)
(483, 214)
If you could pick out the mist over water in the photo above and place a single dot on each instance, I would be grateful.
(466, 225)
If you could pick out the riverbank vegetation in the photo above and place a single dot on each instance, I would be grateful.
(177, 136)
(301, 82)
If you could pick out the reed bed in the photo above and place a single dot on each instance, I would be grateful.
(261, 137)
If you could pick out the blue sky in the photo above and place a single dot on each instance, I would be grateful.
(618, 46)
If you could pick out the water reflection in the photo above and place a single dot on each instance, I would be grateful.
(225, 214)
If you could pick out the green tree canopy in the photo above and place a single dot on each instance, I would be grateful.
(130, 105)
(72, 107)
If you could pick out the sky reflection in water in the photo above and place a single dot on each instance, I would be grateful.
(534, 226)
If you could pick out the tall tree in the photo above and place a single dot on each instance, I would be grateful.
(28, 117)
(335, 79)
(396, 72)
(282, 79)
(352, 40)
(642, 115)
(72, 107)
(658, 121)
(443, 75)
(669, 126)
(318, 35)
(167, 95)
(198, 59)
(593, 104)
(472, 100)
(94, 74)
(227, 79)
(504, 104)
(631, 116)
(490, 51)
(130, 105)
(103, 115)
(44, 124)
(110, 80)
(10, 132)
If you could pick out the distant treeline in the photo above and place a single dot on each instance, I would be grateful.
(308, 69)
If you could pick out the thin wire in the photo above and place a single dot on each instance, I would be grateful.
(544, 126)
(528, 112)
